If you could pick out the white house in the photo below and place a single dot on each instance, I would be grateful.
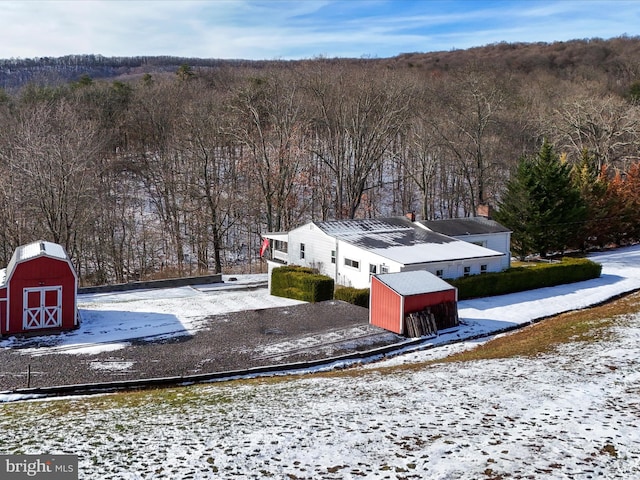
(478, 230)
(350, 251)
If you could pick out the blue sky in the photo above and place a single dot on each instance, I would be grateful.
(288, 29)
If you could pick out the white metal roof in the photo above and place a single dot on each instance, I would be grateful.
(414, 283)
(399, 240)
(36, 249)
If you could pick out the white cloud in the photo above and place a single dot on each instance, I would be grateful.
(293, 29)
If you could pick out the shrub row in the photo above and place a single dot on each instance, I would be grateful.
(515, 279)
(356, 296)
(301, 283)
(519, 279)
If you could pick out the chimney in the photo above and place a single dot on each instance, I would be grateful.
(484, 210)
(411, 216)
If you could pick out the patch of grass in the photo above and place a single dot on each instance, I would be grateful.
(609, 449)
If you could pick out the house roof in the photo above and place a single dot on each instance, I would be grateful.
(456, 227)
(399, 240)
(414, 283)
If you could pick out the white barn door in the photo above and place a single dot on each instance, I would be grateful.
(42, 307)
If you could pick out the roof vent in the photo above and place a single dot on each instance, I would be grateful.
(42, 248)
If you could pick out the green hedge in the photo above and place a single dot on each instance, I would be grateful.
(356, 296)
(516, 279)
(301, 283)
(519, 279)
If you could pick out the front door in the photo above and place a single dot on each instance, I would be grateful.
(42, 307)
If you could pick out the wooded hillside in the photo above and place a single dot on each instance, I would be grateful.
(150, 166)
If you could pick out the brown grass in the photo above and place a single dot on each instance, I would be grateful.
(588, 325)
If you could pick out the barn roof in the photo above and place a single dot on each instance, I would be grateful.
(399, 240)
(36, 249)
(33, 250)
(456, 227)
(414, 283)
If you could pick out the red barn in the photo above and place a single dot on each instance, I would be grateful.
(38, 290)
(415, 303)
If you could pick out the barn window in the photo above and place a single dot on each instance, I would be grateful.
(352, 263)
(333, 256)
(372, 269)
(483, 269)
(302, 251)
(467, 271)
(384, 268)
(439, 273)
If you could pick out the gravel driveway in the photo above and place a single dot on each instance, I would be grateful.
(232, 341)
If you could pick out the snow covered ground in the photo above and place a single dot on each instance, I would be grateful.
(573, 414)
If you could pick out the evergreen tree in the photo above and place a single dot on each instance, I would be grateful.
(593, 185)
(541, 205)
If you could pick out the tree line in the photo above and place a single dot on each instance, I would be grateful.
(179, 173)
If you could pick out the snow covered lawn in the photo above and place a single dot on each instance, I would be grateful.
(573, 414)
(570, 415)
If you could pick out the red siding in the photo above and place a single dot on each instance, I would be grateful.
(416, 303)
(385, 310)
(388, 308)
(41, 272)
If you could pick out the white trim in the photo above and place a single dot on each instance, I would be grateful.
(6, 309)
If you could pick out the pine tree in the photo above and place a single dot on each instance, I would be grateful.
(603, 202)
(514, 212)
(542, 206)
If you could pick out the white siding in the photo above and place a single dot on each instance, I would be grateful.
(360, 277)
(500, 242)
(317, 249)
(451, 270)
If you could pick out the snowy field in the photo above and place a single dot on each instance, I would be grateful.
(573, 414)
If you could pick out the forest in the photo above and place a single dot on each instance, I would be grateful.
(175, 167)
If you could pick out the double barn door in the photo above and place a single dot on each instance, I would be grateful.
(42, 307)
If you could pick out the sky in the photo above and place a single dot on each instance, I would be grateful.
(298, 29)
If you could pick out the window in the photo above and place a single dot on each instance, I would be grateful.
(302, 251)
(280, 246)
(333, 256)
(483, 269)
(467, 271)
(384, 269)
(372, 269)
(352, 263)
(439, 273)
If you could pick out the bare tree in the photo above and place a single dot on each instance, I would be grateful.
(470, 105)
(606, 126)
(54, 161)
(358, 116)
(160, 164)
(213, 181)
(269, 123)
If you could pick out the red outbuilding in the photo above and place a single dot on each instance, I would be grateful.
(38, 291)
(414, 304)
